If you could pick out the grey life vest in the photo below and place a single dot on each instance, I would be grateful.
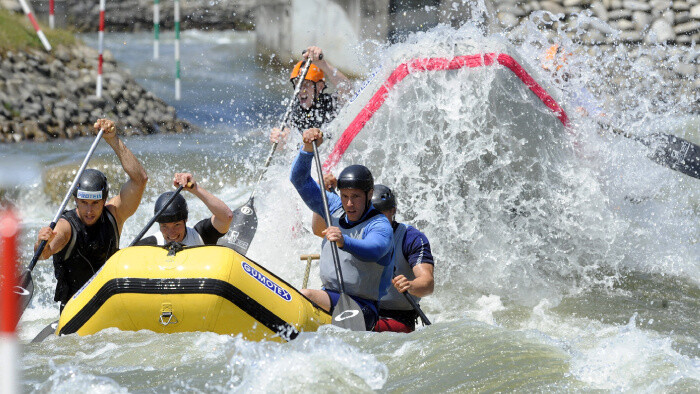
(192, 238)
(393, 299)
(362, 278)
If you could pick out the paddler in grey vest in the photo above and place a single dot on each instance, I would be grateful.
(173, 221)
(362, 233)
(413, 264)
(85, 237)
(413, 269)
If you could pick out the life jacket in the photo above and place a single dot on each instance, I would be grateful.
(322, 112)
(362, 279)
(192, 238)
(393, 299)
(86, 252)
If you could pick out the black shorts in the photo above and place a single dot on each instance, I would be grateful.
(408, 318)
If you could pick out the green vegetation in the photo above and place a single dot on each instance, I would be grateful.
(17, 33)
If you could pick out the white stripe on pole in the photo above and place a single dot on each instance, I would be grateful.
(101, 38)
(156, 28)
(177, 49)
(40, 33)
(52, 23)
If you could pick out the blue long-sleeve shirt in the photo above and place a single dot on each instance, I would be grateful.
(377, 238)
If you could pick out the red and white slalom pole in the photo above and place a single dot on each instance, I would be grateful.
(52, 20)
(40, 33)
(101, 39)
(9, 302)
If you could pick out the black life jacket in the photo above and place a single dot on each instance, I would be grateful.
(86, 252)
(322, 112)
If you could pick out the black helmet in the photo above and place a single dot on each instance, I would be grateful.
(92, 185)
(176, 211)
(356, 176)
(383, 198)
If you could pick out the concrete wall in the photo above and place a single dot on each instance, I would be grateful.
(286, 27)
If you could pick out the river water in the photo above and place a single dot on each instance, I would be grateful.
(566, 269)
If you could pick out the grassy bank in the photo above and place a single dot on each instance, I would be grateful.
(17, 33)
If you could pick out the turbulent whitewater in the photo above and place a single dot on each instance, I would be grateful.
(566, 260)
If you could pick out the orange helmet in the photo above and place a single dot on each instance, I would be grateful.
(314, 74)
(554, 58)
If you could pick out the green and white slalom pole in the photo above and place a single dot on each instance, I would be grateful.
(177, 49)
(156, 27)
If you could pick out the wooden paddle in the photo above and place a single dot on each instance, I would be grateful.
(347, 313)
(667, 150)
(245, 221)
(26, 284)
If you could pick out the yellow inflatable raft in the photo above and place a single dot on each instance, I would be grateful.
(206, 288)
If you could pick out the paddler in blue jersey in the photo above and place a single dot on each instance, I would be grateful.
(413, 264)
(362, 233)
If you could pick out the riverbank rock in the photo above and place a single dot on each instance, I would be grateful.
(137, 15)
(45, 96)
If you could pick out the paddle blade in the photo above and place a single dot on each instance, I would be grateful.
(674, 152)
(347, 314)
(46, 332)
(25, 290)
(242, 229)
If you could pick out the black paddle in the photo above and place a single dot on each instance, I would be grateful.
(416, 308)
(155, 217)
(347, 313)
(245, 221)
(667, 150)
(26, 284)
(46, 332)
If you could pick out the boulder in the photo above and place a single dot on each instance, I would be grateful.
(661, 32)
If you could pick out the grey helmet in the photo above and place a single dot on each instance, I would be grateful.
(92, 185)
(383, 198)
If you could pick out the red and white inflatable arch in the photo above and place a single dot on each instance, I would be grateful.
(436, 64)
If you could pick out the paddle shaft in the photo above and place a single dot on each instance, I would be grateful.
(42, 245)
(334, 246)
(283, 123)
(155, 217)
(416, 307)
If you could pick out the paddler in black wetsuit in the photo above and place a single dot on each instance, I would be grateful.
(173, 221)
(314, 108)
(85, 237)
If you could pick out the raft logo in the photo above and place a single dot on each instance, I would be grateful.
(274, 287)
(347, 314)
(247, 211)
